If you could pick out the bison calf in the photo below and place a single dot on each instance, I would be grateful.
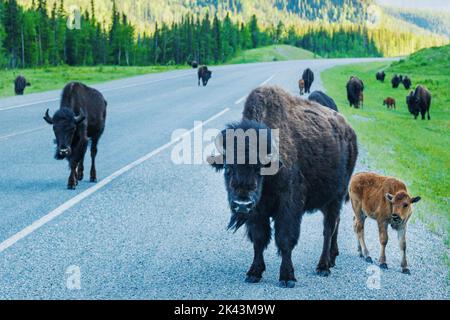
(386, 200)
(301, 86)
(390, 103)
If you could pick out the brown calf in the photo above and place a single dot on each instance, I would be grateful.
(390, 103)
(386, 200)
(301, 86)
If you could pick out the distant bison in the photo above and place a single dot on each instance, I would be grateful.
(20, 84)
(204, 75)
(308, 77)
(419, 101)
(301, 86)
(407, 83)
(381, 75)
(396, 80)
(194, 64)
(316, 158)
(355, 89)
(323, 99)
(82, 115)
(390, 103)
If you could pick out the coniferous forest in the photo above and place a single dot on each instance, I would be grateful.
(45, 33)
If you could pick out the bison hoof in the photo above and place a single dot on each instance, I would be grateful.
(71, 187)
(93, 180)
(384, 266)
(406, 271)
(252, 279)
(80, 177)
(287, 284)
(369, 260)
(323, 272)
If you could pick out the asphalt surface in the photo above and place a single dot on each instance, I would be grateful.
(152, 229)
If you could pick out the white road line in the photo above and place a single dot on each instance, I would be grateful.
(262, 84)
(104, 90)
(83, 195)
(5, 137)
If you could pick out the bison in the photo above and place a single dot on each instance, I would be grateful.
(316, 158)
(419, 101)
(355, 88)
(20, 84)
(194, 64)
(204, 75)
(389, 102)
(308, 77)
(386, 200)
(301, 86)
(396, 80)
(407, 83)
(323, 99)
(381, 75)
(81, 116)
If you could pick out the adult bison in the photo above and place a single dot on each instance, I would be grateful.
(194, 64)
(407, 82)
(316, 159)
(381, 75)
(355, 89)
(419, 101)
(20, 84)
(396, 80)
(82, 115)
(204, 75)
(323, 99)
(308, 78)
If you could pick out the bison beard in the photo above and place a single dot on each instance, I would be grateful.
(318, 150)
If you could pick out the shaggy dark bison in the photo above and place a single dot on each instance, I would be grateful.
(316, 159)
(308, 77)
(204, 75)
(396, 80)
(194, 64)
(323, 99)
(407, 83)
(355, 89)
(82, 115)
(20, 84)
(419, 101)
(381, 75)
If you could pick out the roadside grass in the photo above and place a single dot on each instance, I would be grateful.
(416, 151)
(51, 78)
(272, 53)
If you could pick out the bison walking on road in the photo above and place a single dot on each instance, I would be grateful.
(355, 89)
(82, 115)
(317, 156)
(308, 78)
(419, 101)
(323, 99)
(20, 84)
(204, 75)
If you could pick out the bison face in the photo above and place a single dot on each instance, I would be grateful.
(413, 104)
(248, 154)
(64, 124)
(401, 204)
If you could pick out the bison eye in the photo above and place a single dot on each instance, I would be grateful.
(405, 205)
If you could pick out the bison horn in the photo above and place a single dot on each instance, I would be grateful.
(47, 117)
(80, 118)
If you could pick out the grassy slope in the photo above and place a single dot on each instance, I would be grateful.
(415, 151)
(50, 78)
(272, 53)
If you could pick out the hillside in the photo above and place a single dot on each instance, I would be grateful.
(272, 53)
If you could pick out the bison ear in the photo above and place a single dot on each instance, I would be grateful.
(216, 162)
(389, 197)
(415, 199)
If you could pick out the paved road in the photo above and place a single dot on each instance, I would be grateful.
(155, 230)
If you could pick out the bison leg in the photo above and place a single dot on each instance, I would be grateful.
(72, 183)
(402, 240)
(258, 233)
(94, 150)
(334, 245)
(382, 229)
(358, 227)
(330, 224)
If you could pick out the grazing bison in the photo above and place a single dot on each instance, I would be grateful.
(381, 75)
(194, 64)
(396, 81)
(390, 103)
(323, 99)
(301, 86)
(355, 88)
(308, 77)
(407, 83)
(81, 116)
(20, 84)
(419, 101)
(386, 200)
(204, 75)
(317, 156)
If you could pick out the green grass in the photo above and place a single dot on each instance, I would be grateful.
(272, 53)
(49, 78)
(416, 151)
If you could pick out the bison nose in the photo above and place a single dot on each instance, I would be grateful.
(242, 206)
(64, 151)
(396, 217)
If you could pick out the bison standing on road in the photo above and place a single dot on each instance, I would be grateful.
(81, 116)
(396, 80)
(194, 64)
(301, 86)
(20, 84)
(308, 77)
(419, 101)
(317, 156)
(355, 88)
(323, 99)
(381, 75)
(204, 75)
(407, 83)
